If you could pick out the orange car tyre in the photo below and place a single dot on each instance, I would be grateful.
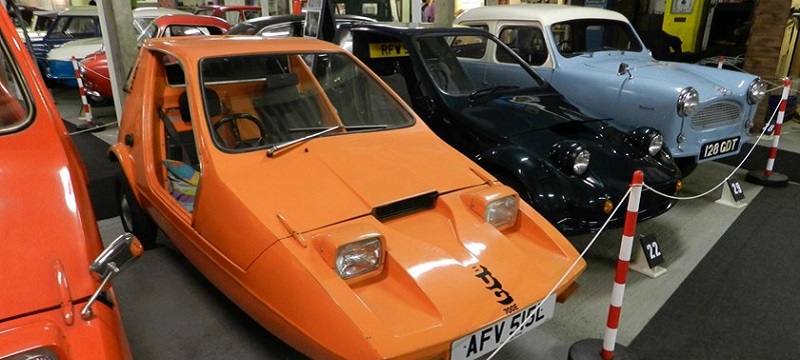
(134, 219)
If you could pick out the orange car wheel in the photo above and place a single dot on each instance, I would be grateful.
(134, 219)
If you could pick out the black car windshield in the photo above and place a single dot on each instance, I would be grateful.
(264, 100)
(463, 65)
(578, 37)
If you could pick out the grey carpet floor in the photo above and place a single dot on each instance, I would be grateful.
(741, 301)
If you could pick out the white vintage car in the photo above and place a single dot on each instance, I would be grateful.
(40, 22)
(59, 59)
(596, 59)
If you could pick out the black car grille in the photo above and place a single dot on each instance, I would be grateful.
(716, 114)
(406, 206)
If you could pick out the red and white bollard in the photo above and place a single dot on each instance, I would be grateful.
(721, 61)
(621, 276)
(87, 111)
(609, 349)
(769, 177)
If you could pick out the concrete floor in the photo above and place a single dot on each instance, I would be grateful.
(170, 311)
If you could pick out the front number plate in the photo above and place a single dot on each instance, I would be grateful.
(489, 338)
(719, 147)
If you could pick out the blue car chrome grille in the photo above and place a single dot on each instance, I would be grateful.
(405, 206)
(717, 114)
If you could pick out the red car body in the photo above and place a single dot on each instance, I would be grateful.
(49, 232)
(94, 67)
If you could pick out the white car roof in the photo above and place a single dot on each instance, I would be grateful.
(545, 13)
(79, 11)
(154, 12)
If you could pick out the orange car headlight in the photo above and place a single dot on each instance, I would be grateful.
(355, 252)
(502, 213)
(358, 258)
(35, 354)
(497, 205)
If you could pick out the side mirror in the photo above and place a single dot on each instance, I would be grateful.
(116, 257)
(624, 69)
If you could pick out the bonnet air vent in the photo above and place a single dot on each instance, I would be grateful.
(406, 206)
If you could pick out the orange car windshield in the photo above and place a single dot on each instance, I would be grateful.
(258, 101)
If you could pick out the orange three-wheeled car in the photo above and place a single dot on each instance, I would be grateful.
(311, 195)
(49, 306)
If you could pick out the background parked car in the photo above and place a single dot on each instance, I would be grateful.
(233, 14)
(59, 59)
(570, 167)
(39, 24)
(69, 25)
(25, 11)
(50, 235)
(94, 67)
(595, 58)
(286, 25)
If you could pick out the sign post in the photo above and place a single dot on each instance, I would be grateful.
(734, 196)
(648, 257)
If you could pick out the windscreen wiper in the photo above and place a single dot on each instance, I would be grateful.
(346, 127)
(489, 90)
(278, 147)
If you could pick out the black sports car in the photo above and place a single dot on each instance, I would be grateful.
(571, 168)
(286, 25)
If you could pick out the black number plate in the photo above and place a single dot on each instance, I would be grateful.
(720, 147)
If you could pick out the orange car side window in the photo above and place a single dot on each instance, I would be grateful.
(13, 107)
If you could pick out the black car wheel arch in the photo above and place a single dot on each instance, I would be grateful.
(132, 216)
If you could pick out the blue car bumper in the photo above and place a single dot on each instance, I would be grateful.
(62, 71)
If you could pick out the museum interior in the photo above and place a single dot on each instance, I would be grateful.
(399, 179)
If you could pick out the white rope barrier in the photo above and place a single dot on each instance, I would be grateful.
(575, 263)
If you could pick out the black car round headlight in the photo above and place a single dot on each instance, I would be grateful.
(756, 91)
(648, 139)
(688, 100)
(571, 157)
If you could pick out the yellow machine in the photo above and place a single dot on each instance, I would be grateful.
(685, 19)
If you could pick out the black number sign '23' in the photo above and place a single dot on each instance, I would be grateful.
(504, 298)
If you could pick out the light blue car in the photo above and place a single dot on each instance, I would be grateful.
(595, 58)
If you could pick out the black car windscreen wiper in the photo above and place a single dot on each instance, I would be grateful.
(489, 90)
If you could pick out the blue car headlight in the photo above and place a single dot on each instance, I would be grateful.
(756, 91)
(570, 157)
(688, 100)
